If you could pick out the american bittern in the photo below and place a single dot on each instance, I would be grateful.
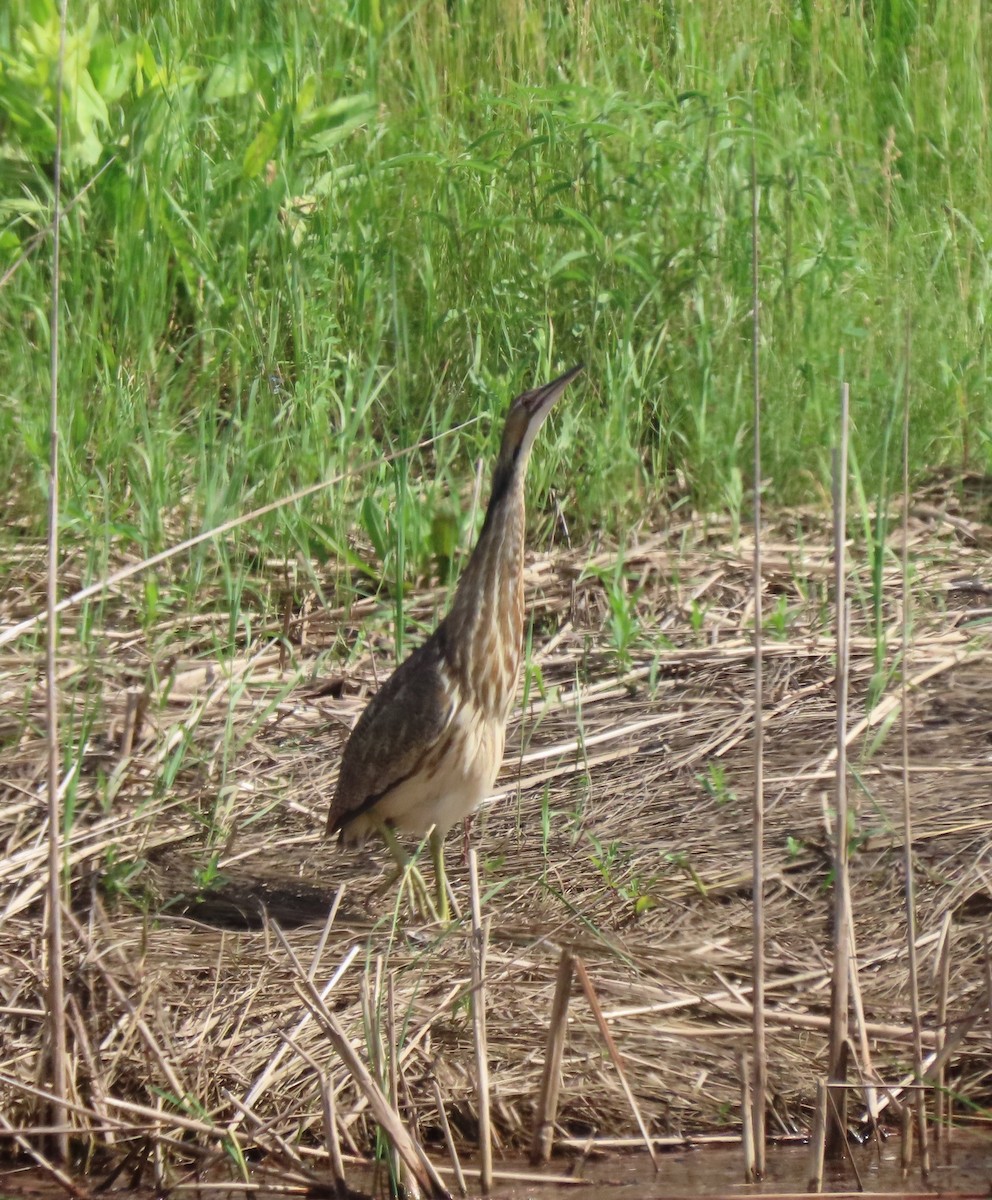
(426, 749)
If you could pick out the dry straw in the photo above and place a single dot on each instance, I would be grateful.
(642, 869)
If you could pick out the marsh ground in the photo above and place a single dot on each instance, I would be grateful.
(621, 830)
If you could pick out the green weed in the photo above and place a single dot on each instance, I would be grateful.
(624, 623)
(299, 240)
(713, 781)
(613, 864)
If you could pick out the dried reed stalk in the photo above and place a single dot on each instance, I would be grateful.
(480, 935)
(817, 1139)
(747, 1121)
(759, 1080)
(909, 886)
(614, 1053)
(837, 1053)
(449, 1141)
(57, 1067)
(858, 1007)
(942, 970)
(547, 1101)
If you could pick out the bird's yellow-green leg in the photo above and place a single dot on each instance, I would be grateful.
(440, 878)
(408, 875)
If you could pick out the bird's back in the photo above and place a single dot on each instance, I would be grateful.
(394, 734)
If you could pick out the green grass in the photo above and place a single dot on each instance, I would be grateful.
(322, 232)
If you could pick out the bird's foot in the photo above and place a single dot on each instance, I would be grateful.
(409, 877)
(410, 880)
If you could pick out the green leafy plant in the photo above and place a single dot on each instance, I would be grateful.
(612, 862)
(713, 781)
(120, 878)
(779, 618)
(624, 622)
(681, 860)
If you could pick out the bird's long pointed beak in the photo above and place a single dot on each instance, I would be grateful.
(540, 400)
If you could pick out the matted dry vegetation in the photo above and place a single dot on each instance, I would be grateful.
(622, 830)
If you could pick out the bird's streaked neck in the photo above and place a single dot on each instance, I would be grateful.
(486, 616)
(508, 477)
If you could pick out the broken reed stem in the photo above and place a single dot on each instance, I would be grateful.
(909, 885)
(839, 991)
(941, 1131)
(547, 1100)
(614, 1053)
(858, 1007)
(759, 1080)
(747, 1121)
(58, 1058)
(480, 935)
(817, 1140)
(449, 1141)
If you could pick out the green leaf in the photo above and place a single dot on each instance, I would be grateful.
(265, 144)
(232, 76)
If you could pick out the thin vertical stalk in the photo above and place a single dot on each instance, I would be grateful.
(59, 1061)
(760, 1073)
(329, 1109)
(747, 1121)
(909, 886)
(393, 1084)
(839, 986)
(942, 1111)
(480, 933)
(547, 1101)
(817, 1140)
(449, 1139)
(611, 1049)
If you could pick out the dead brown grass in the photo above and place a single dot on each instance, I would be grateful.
(621, 830)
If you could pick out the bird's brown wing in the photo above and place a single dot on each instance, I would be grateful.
(400, 725)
